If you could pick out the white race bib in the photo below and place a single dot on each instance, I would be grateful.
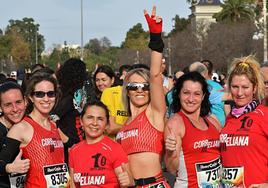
(233, 177)
(57, 176)
(17, 180)
(208, 173)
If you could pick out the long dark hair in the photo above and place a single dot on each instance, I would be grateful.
(195, 77)
(71, 76)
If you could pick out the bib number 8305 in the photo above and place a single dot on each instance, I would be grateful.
(59, 179)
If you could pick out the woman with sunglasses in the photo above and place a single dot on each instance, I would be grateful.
(13, 105)
(40, 141)
(142, 136)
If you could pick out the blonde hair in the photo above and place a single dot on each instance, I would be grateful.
(250, 67)
(139, 71)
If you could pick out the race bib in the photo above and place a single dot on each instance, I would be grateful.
(208, 173)
(157, 185)
(57, 176)
(17, 180)
(233, 177)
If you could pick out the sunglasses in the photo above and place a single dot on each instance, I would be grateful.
(132, 86)
(41, 94)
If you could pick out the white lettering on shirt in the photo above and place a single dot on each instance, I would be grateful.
(206, 144)
(50, 141)
(234, 140)
(127, 134)
(89, 180)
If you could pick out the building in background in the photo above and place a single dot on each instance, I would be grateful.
(202, 12)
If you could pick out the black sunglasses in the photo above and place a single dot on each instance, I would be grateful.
(132, 86)
(41, 94)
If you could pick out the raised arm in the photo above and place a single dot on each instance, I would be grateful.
(156, 45)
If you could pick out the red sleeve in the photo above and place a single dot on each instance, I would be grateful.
(119, 156)
(71, 160)
(264, 125)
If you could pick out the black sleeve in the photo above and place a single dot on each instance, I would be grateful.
(3, 168)
(10, 150)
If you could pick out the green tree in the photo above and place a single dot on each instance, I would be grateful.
(5, 46)
(20, 50)
(180, 24)
(30, 32)
(105, 42)
(108, 57)
(53, 59)
(136, 38)
(235, 11)
(14, 47)
(94, 46)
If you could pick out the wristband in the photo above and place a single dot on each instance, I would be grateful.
(156, 43)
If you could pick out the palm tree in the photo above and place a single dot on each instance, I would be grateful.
(235, 11)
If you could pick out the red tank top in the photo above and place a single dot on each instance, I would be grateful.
(199, 164)
(45, 148)
(140, 136)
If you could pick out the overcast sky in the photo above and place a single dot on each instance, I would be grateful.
(60, 20)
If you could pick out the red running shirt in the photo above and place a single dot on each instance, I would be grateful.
(199, 160)
(244, 149)
(140, 136)
(44, 149)
(93, 164)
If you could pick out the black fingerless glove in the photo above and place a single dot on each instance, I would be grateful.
(156, 43)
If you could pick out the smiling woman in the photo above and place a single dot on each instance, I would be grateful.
(245, 132)
(142, 135)
(98, 161)
(103, 77)
(192, 135)
(40, 141)
(13, 107)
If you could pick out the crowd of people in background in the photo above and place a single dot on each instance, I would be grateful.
(138, 128)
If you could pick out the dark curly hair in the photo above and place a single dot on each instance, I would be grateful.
(71, 76)
(195, 77)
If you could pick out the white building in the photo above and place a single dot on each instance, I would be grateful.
(203, 11)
